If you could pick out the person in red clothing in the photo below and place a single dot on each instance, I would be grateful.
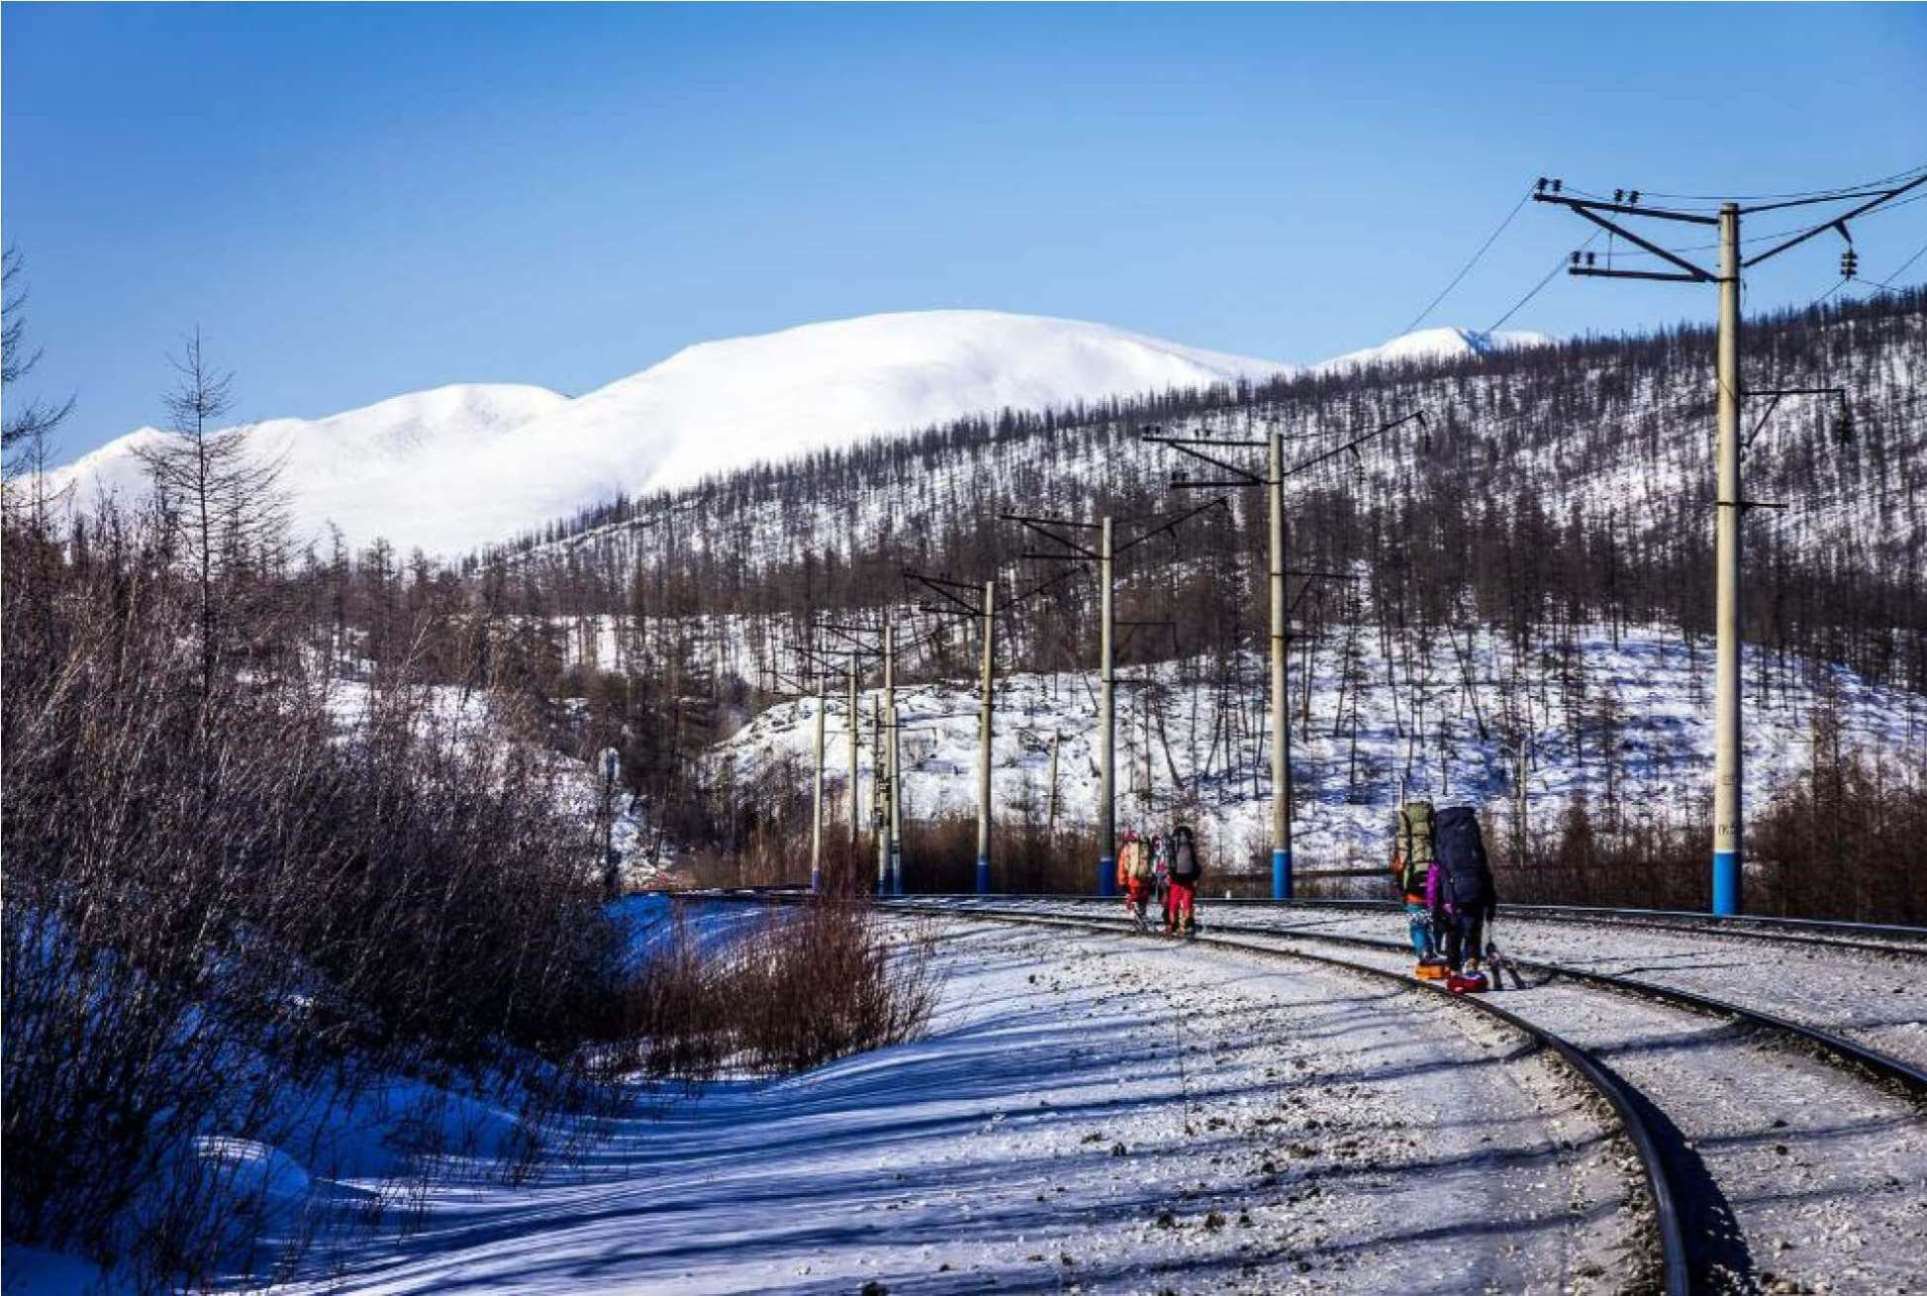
(1186, 870)
(1134, 873)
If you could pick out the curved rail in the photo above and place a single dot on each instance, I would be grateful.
(1882, 1066)
(1673, 1266)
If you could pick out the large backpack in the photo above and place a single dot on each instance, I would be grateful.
(1184, 857)
(1465, 879)
(1413, 825)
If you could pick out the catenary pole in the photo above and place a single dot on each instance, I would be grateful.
(816, 813)
(885, 776)
(892, 823)
(896, 803)
(854, 725)
(1729, 502)
(984, 712)
(1106, 725)
(1280, 712)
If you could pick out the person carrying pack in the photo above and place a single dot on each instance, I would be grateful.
(1412, 857)
(1134, 875)
(1161, 874)
(1461, 893)
(1186, 870)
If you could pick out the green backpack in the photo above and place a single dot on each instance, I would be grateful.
(1413, 826)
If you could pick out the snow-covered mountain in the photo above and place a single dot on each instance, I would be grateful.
(1435, 344)
(460, 466)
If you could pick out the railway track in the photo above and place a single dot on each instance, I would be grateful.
(1699, 1086)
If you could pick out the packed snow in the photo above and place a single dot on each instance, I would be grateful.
(458, 467)
(1087, 1113)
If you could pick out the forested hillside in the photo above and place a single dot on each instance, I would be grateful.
(1548, 492)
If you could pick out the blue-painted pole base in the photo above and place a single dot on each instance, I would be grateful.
(983, 876)
(896, 879)
(816, 882)
(1281, 875)
(1106, 875)
(887, 884)
(1726, 883)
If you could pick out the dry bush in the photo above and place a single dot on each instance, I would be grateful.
(807, 984)
(219, 902)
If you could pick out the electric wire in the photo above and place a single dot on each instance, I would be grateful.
(1467, 267)
(1875, 183)
(1539, 287)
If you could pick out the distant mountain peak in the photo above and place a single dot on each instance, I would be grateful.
(456, 467)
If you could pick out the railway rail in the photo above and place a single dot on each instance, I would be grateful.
(1670, 1260)
(1679, 1072)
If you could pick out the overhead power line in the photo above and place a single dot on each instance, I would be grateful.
(1466, 269)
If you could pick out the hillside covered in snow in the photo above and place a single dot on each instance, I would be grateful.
(462, 466)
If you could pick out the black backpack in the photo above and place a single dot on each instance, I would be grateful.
(1184, 857)
(1465, 878)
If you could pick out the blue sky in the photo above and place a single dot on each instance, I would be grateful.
(353, 202)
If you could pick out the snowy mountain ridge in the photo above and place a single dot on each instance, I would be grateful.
(459, 466)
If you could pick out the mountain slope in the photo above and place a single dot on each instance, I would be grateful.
(461, 466)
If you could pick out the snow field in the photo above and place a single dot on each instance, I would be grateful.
(1088, 1113)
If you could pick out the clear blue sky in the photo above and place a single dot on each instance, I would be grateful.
(358, 201)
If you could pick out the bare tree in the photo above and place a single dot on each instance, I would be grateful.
(23, 430)
(220, 500)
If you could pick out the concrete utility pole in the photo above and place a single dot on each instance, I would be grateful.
(1280, 712)
(816, 814)
(855, 805)
(1106, 722)
(1729, 499)
(1050, 820)
(1726, 616)
(984, 713)
(1274, 484)
(888, 883)
(896, 803)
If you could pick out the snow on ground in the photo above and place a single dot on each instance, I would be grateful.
(1421, 729)
(1791, 1168)
(1876, 999)
(1088, 1113)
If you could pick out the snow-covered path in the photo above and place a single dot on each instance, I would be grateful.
(1789, 1169)
(1089, 1113)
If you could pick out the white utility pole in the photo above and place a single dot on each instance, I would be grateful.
(855, 805)
(816, 811)
(888, 882)
(984, 711)
(1729, 501)
(1727, 809)
(1280, 712)
(1106, 725)
(896, 803)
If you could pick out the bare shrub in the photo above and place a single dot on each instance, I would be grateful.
(805, 985)
(221, 901)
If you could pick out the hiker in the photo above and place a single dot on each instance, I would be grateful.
(1185, 872)
(1161, 874)
(1461, 893)
(1134, 873)
(1411, 864)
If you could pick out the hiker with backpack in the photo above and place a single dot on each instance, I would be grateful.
(1412, 867)
(1461, 893)
(1134, 875)
(1186, 871)
(1161, 874)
